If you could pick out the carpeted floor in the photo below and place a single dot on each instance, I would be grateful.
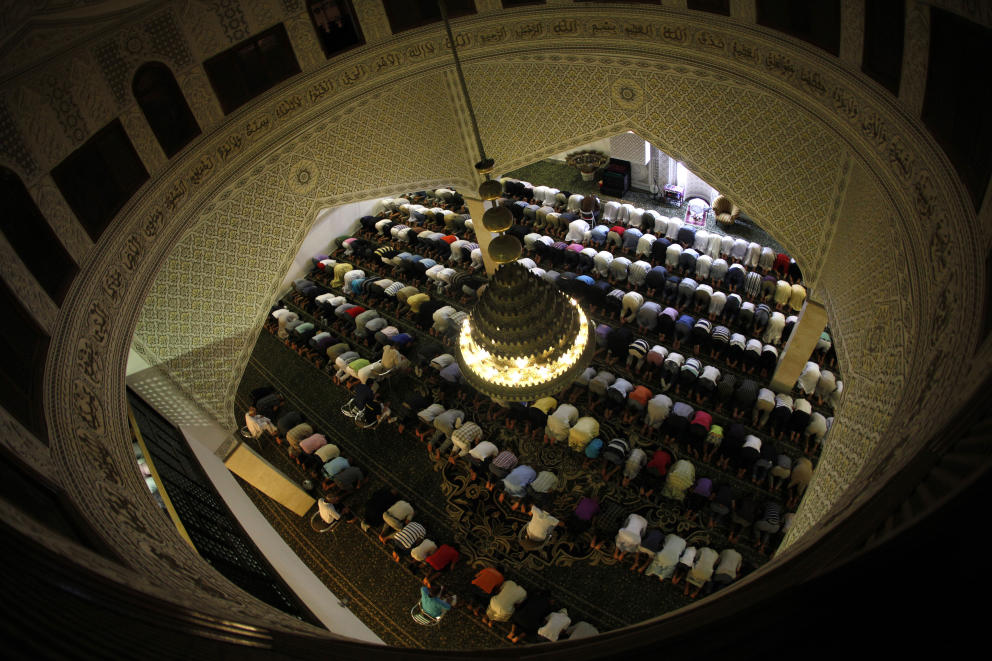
(564, 177)
(357, 568)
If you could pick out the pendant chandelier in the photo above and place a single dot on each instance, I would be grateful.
(524, 338)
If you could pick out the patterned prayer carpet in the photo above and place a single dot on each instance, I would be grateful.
(357, 568)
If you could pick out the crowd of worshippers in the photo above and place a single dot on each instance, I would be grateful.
(365, 344)
(390, 519)
(309, 449)
(779, 410)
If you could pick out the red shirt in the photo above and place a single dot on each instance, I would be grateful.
(702, 418)
(618, 229)
(355, 311)
(660, 462)
(449, 239)
(441, 558)
(781, 263)
(640, 394)
(488, 580)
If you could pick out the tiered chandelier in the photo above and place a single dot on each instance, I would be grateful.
(525, 338)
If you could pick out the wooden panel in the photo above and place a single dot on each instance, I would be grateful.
(252, 468)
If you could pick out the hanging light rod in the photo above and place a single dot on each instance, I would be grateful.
(485, 164)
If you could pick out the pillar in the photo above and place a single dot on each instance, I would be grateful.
(802, 341)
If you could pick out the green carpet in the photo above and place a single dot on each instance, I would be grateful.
(356, 567)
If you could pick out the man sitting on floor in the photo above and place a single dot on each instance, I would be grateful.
(258, 423)
(432, 604)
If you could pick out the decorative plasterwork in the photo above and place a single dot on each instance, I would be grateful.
(725, 69)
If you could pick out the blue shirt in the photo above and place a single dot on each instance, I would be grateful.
(401, 338)
(432, 605)
(335, 466)
(598, 234)
(594, 447)
(630, 238)
(516, 482)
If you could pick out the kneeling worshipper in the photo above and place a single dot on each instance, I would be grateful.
(541, 525)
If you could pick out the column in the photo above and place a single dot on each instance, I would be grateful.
(744, 10)
(915, 56)
(799, 348)
(852, 32)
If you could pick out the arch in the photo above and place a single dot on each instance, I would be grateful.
(164, 106)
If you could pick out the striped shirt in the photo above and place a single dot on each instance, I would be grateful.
(637, 272)
(411, 535)
(618, 447)
(693, 366)
(752, 284)
(762, 314)
(720, 334)
(704, 325)
(773, 513)
(638, 348)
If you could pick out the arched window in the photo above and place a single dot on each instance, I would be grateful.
(251, 67)
(33, 239)
(165, 107)
(335, 24)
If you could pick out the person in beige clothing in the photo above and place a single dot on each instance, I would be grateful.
(802, 473)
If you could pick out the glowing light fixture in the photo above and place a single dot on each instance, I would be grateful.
(525, 338)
